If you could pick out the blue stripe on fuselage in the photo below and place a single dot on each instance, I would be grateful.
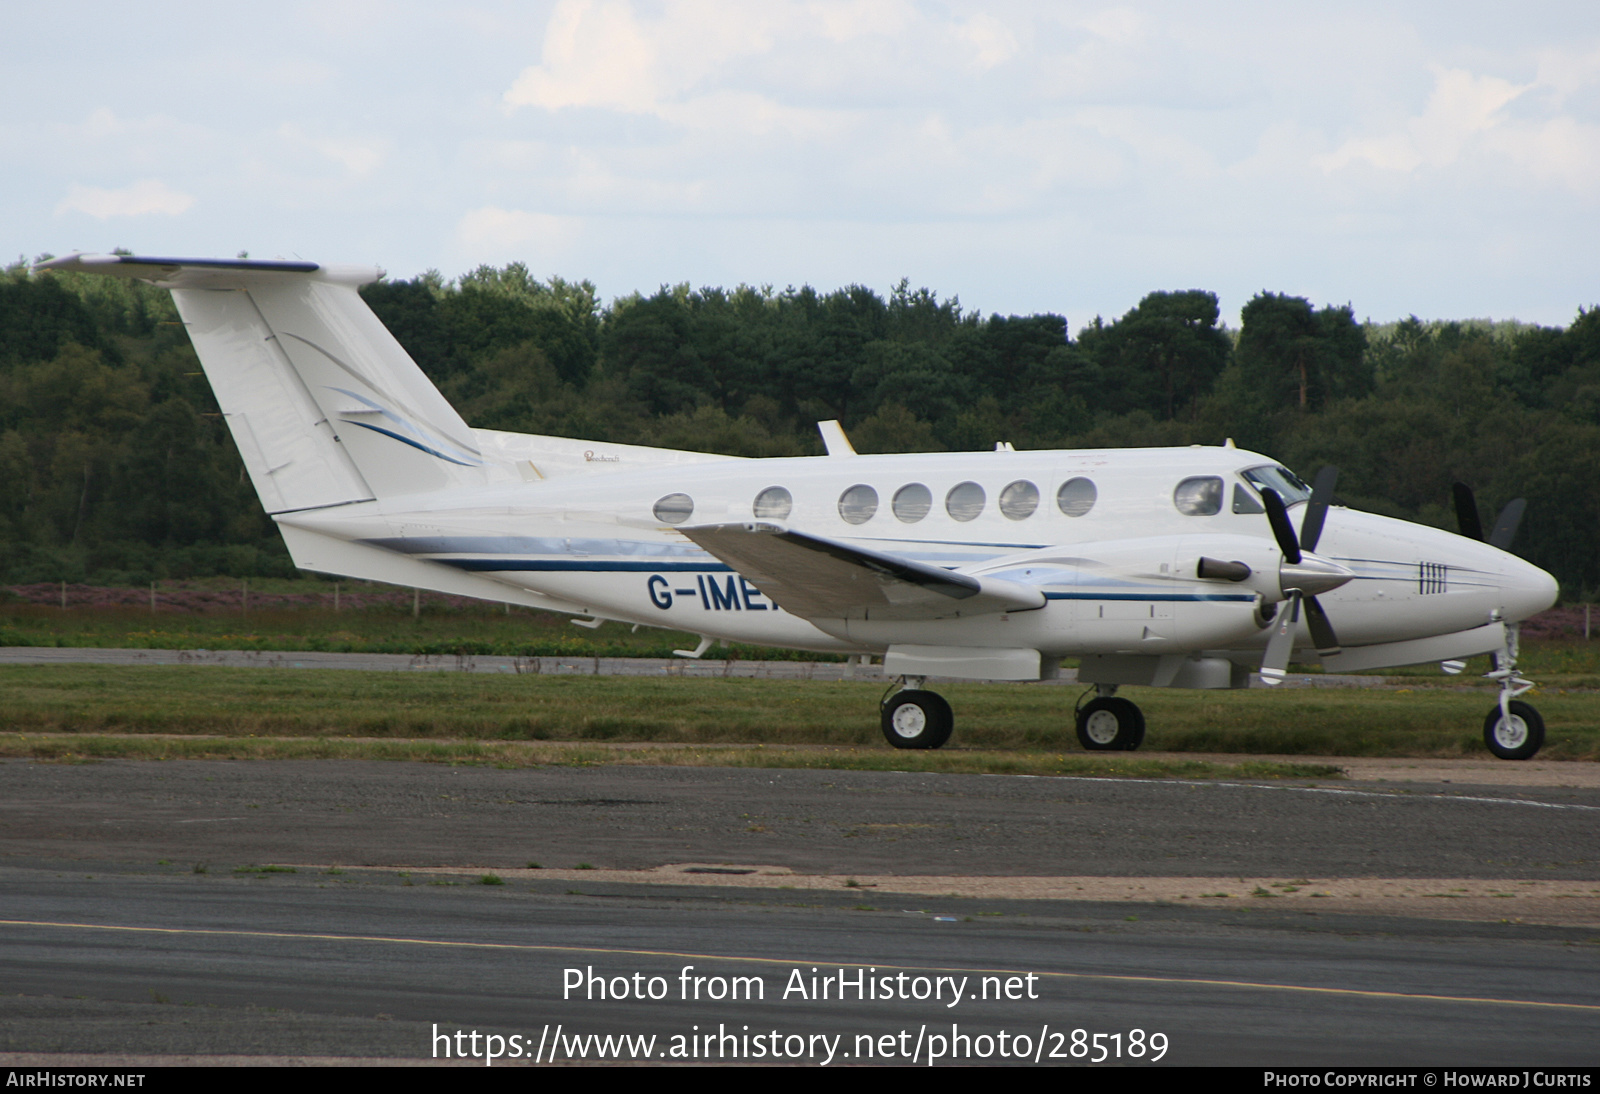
(490, 565)
(1151, 596)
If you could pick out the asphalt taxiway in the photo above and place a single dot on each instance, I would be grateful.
(341, 910)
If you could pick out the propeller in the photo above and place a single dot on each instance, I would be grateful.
(1505, 526)
(1317, 508)
(1301, 576)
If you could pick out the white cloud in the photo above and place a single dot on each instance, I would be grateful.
(140, 199)
(507, 231)
(1120, 25)
(1562, 150)
(1467, 123)
(1461, 107)
(1565, 71)
(601, 53)
(844, 20)
(617, 55)
(358, 157)
(594, 55)
(991, 41)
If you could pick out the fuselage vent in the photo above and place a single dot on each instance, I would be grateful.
(1432, 577)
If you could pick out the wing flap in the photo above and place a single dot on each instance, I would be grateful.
(818, 578)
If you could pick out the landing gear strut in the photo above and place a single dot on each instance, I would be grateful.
(913, 718)
(1513, 730)
(1107, 724)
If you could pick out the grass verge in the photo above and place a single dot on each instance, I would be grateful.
(297, 615)
(214, 702)
(76, 748)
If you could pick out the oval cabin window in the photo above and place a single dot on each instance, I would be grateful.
(1076, 497)
(912, 502)
(857, 504)
(674, 508)
(965, 501)
(1019, 500)
(773, 503)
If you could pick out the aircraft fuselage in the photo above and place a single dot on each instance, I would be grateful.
(1118, 569)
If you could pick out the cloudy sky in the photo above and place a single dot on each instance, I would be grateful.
(1433, 159)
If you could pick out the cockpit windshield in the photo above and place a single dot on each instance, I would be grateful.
(1281, 479)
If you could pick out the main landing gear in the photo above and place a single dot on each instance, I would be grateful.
(1513, 730)
(1108, 724)
(913, 718)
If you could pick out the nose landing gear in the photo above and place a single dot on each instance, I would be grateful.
(1513, 730)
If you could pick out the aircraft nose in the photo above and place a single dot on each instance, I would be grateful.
(1527, 590)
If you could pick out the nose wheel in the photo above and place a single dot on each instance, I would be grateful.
(1110, 725)
(1513, 734)
(914, 718)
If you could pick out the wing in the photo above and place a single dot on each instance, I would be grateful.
(817, 578)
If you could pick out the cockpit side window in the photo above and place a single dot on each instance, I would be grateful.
(1281, 479)
(1244, 501)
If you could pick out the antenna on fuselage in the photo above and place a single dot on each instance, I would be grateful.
(833, 438)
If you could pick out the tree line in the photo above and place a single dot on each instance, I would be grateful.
(115, 465)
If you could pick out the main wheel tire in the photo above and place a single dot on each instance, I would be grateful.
(917, 719)
(1110, 725)
(1517, 738)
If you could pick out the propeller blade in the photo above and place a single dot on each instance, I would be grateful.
(1317, 507)
(1322, 635)
(1505, 529)
(1282, 530)
(1274, 666)
(1467, 512)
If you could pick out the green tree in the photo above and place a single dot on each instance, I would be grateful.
(1294, 354)
(38, 317)
(1162, 357)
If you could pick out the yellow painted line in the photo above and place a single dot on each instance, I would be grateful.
(530, 947)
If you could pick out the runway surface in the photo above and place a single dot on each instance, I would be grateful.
(113, 944)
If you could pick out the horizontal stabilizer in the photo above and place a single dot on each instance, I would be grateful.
(206, 273)
(332, 555)
(817, 578)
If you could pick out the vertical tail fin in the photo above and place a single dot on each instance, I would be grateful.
(325, 406)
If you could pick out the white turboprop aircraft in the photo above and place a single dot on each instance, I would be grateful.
(1174, 567)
